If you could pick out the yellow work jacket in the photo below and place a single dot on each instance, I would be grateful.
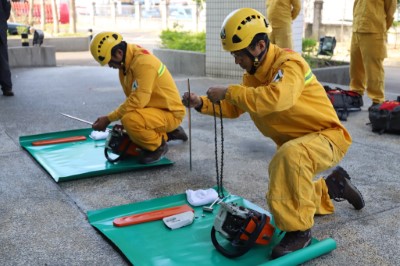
(373, 16)
(281, 13)
(284, 99)
(147, 83)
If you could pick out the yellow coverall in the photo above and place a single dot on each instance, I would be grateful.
(153, 105)
(371, 21)
(280, 14)
(288, 105)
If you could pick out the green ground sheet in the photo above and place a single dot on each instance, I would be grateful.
(75, 160)
(152, 243)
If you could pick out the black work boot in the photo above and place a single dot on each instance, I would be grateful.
(373, 105)
(147, 157)
(292, 241)
(177, 134)
(340, 188)
(8, 92)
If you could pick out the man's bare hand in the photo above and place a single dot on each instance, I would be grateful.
(193, 101)
(101, 123)
(216, 93)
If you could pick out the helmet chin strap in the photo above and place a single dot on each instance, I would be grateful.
(123, 57)
(256, 59)
(121, 64)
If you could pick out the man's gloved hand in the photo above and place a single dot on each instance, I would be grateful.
(101, 123)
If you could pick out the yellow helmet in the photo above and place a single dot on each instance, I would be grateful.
(101, 46)
(240, 27)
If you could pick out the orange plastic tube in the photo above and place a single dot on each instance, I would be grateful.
(151, 216)
(58, 140)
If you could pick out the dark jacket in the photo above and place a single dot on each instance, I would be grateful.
(5, 9)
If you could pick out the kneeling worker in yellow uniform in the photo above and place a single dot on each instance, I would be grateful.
(288, 105)
(152, 111)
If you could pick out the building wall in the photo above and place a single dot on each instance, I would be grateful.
(342, 33)
(333, 11)
(220, 63)
(337, 20)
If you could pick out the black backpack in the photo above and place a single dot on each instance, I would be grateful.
(385, 117)
(344, 101)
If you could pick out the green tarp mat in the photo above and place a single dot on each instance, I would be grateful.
(153, 243)
(75, 160)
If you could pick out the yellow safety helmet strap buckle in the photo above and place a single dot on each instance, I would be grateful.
(240, 27)
(102, 44)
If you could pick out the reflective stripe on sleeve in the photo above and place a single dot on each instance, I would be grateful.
(308, 77)
(161, 70)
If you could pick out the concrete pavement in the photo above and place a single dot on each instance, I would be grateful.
(44, 222)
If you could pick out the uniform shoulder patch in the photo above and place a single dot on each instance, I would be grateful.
(278, 76)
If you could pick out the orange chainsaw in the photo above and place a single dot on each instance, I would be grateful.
(117, 142)
(242, 227)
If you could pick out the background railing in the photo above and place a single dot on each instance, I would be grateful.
(188, 16)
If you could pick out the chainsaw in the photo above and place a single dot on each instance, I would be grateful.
(119, 143)
(242, 227)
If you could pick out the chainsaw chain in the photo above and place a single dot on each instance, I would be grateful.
(219, 174)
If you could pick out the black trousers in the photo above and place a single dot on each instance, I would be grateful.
(5, 74)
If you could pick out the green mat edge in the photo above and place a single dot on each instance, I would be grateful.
(67, 133)
(26, 141)
(316, 249)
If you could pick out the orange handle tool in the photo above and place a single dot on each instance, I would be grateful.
(57, 141)
(151, 215)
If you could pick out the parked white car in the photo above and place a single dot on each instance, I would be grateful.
(180, 12)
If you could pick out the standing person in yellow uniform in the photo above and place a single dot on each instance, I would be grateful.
(152, 111)
(288, 105)
(371, 21)
(280, 14)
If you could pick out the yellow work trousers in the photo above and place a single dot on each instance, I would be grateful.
(147, 127)
(282, 36)
(294, 197)
(367, 52)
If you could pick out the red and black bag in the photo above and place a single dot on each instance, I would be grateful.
(385, 117)
(344, 101)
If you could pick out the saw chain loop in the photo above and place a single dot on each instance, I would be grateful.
(219, 174)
